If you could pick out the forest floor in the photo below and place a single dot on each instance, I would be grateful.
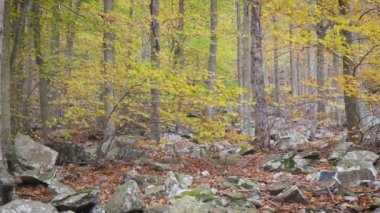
(109, 177)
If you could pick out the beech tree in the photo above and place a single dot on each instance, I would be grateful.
(261, 111)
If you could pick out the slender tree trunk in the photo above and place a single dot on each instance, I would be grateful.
(337, 69)
(43, 75)
(350, 101)
(109, 60)
(275, 65)
(261, 112)
(299, 76)
(70, 37)
(179, 51)
(292, 66)
(239, 64)
(321, 33)
(55, 52)
(18, 31)
(246, 71)
(156, 63)
(4, 86)
(213, 51)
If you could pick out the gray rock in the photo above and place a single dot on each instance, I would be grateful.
(35, 177)
(153, 190)
(325, 178)
(7, 186)
(158, 209)
(127, 198)
(56, 187)
(291, 194)
(340, 151)
(32, 155)
(175, 183)
(122, 147)
(272, 165)
(27, 206)
(134, 175)
(354, 177)
(359, 160)
(278, 188)
(77, 201)
(292, 141)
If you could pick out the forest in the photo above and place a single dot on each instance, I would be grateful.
(181, 106)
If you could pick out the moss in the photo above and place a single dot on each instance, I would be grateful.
(199, 194)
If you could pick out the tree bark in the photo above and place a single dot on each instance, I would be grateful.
(321, 33)
(292, 66)
(239, 63)
(43, 75)
(275, 64)
(337, 71)
(4, 87)
(109, 60)
(246, 69)
(156, 63)
(213, 51)
(70, 37)
(261, 112)
(179, 51)
(350, 101)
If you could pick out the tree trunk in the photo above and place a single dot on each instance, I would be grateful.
(16, 75)
(213, 51)
(179, 51)
(109, 60)
(261, 112)
(4, 89)
(321, 33)
(246, 71)
(70, 36)
(337, 71)
(275, 64)
(239, 64)
(155, 59)
(292, 66)
(350, 101)
(42, 74)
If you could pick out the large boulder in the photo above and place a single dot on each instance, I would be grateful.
(340, 150)
(32, 155)
(27, 206)
(77, 201)
(56, 187)
(122, 147)
(357, 160)
(6, 186)
(292, 141)
(175, 183)
(291, 194)
(127, 198)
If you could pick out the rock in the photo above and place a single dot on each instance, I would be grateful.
(154, 190)
(97, 209)
(340, 151)
(175, 183)
(292, 141)
(55, 187)
(202, 193)
(27, 206)
(354, 177)
(229, 157)
(158, 209)
(134, 175)
(35, 177)
(312, 155)
(236, 196)
(77, 201)
(32, 155)
(7, 186)
(127, 198)
(324, 178)
(358, 160)
(248, 184)
(291, 194)
(123, 148)
(278, 188)
(224, 184)
(351, 198)
(187, 204)
(205, 173)
(272, 165)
